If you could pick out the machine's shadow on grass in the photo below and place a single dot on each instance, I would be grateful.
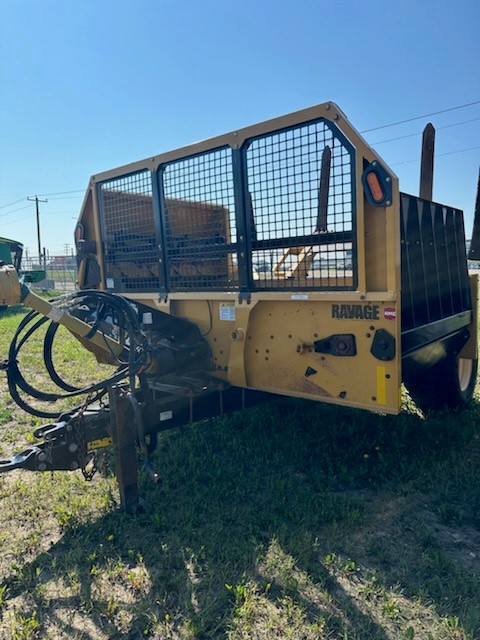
(288, 517)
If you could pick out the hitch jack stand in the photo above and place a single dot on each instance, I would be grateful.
(122, 430)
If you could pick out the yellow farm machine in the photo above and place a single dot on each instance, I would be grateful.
(276, 260)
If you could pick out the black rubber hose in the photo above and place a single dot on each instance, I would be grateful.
(48, 359)
(137, 348)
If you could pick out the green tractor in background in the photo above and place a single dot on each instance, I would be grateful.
(11, 252)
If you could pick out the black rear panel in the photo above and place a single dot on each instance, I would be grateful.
(435, 283)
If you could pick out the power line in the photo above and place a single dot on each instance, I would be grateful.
(64, 215)
(455, 124)
(447, 153)
(412, 135)
(7, 213)
(10, 204)
(67, 198)
(61, 193)
(383, 126)
(19, 220)
(426, 115)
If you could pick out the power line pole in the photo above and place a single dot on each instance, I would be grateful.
(36, 199)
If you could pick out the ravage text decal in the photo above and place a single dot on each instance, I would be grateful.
(355, 311)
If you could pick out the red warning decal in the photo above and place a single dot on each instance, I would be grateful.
(390, 313)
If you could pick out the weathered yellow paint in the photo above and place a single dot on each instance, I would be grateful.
(381, 386)
(237, 371)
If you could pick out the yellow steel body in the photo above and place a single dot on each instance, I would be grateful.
(267, 344)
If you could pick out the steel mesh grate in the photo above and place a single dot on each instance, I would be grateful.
(301, 194)
(131, 258)
(295, 204)
(199, 210)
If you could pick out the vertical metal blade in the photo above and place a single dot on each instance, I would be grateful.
(474, 253)
(323, 190)
(251, 214)
(426, 170)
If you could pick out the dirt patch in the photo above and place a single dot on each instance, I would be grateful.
(460, 542)
(396, 518)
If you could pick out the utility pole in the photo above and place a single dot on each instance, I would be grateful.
(36, 199)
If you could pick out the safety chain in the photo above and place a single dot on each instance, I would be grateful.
(89, 473)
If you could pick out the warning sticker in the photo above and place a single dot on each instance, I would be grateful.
(227, 311)
(98, 444)
(389, 313)
(299, 296)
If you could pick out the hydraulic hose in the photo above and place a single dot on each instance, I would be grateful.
(131, 352)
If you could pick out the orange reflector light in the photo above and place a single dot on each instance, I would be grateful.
(375, 186)
(78, 232)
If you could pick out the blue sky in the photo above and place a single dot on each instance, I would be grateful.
(88, 86)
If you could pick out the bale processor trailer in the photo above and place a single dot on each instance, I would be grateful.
(276, 260)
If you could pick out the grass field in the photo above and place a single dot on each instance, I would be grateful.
(294, 520)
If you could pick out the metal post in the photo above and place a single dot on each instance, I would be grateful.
(121, 425)
(426, 170)
(323, 189)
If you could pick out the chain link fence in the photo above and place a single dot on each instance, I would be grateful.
(60, 272)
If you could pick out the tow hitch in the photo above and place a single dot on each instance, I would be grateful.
(68, 444)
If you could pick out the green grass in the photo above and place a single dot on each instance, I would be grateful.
(295, 520)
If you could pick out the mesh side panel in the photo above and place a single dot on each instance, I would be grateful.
(300, 188)
(200, 222)
(129, 233)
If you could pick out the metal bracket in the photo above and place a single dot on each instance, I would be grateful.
(244, 296)
(383, 345)
(339, 344)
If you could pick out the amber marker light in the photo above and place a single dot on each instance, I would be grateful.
(78, 233)
(375, 186)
